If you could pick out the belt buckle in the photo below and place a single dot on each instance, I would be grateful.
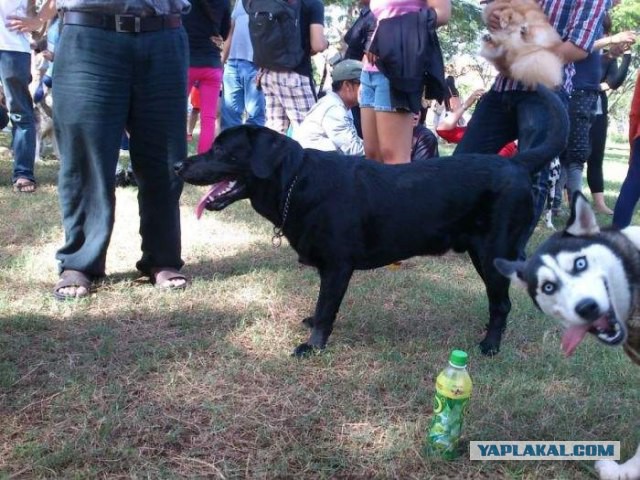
(121, 26)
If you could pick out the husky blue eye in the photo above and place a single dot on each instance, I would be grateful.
(548, 288)
(580, 264)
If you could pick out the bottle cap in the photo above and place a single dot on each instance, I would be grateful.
(458, 358)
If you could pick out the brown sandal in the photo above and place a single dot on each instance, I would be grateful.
(72, 278)
(164, 278)
(24, 185)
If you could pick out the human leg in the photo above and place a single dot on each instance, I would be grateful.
(157, 123)
(89, 125)
(210, 81)
(232, 96)
(630, 190)
(15, 76)
(492, 126)
(368, 117)
(394, 123)
(297, 96)
(253, 98)
(595, 175)
(395, 131)
(276, 116)
(581, 114)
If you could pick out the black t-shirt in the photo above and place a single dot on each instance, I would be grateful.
(312, 14)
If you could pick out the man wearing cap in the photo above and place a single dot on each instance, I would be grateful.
(329, 125)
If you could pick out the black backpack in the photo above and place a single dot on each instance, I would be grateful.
(274, 28)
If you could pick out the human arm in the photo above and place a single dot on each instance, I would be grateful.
(31, 24)
(583, 29)
(616, 74)
(625, 39)
(227, 45)
(319, 42)
(450, 119)
(567, 50)
(442, 9)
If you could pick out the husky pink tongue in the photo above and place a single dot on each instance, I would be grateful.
(211, 194)
(572, 337)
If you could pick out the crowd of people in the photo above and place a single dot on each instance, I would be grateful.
(122, 73)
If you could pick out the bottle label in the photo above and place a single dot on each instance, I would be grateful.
(449, 407)
(453, 388)
(446, 425)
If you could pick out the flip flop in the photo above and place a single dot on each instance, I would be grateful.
(24, 185)
(163, 278)
(72, 278)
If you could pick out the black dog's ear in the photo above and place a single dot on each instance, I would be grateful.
(582, 221)
(511, 270)
(268, 148)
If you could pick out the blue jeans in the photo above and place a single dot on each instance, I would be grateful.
(630, 190)
(240, 94)
(376, 93)
(106, 82)
(500, 118)
(15, 75)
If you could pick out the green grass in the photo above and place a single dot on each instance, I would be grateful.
(137, 383)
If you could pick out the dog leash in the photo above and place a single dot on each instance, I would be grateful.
(278, 233)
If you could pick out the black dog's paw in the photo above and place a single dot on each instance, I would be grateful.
(305, 350)
(489, 347)
(308, 322)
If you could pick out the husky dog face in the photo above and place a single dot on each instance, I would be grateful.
(581, 276)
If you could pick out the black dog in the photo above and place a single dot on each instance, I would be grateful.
(342, 214)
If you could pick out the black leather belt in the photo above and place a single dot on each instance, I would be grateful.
(122, 23)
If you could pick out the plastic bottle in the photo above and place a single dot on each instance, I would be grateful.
(453, 390)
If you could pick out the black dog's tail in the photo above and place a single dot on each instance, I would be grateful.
(555, 142)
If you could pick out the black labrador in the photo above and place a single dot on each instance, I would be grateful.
(342, 213)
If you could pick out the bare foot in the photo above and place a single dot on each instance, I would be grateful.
(603, 209)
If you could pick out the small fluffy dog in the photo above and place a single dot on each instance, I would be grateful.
(588, 279)
(522, 48)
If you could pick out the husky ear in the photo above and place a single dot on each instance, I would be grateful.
(633, 234)
(512, 270)
(267, 147)
(582, 221)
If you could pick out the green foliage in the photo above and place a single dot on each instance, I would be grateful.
(461, 34)
(626, 16)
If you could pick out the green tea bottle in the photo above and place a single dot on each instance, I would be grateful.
(453, 389)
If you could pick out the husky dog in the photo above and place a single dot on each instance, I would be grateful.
(523, 47)
(589, 279)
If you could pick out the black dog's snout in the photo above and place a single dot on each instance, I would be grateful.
(588, 309)
(177, 167)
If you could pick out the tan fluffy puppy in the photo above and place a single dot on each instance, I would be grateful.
(522, 48)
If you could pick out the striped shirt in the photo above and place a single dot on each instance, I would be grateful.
(577, 21)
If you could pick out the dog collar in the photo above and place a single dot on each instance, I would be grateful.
(278, 232)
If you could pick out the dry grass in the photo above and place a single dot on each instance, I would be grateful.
(137, 383)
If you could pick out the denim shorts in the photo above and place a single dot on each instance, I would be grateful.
(375, 92)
